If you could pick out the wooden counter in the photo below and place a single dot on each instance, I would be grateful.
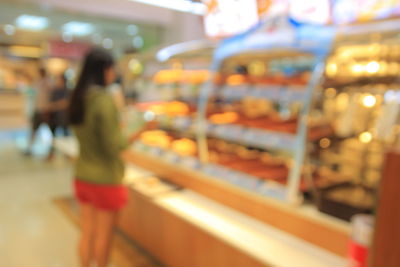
(322, 233)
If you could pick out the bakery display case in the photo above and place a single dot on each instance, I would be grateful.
(244, 139)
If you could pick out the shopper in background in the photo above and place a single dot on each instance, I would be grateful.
(26, 88)
(41, 109)
(99, 170)
(59, 100)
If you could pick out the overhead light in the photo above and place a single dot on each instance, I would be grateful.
(365, 137)
(108, 43)
(357, 68)
(67, 37)
(373, 67)
(138, 42)
(34, 23)
(96, 38)
(369, 101)
(178, 5)
(78, 28)
(9, 29)
(25, 51)
(132, 29)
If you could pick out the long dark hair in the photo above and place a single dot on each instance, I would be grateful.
(96, 61)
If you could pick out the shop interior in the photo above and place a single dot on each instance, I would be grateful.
(278, 122)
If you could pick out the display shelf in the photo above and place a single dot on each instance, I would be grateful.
(253, 137)
(284, 40)
(218, 172)
(333, 235)
(271, 93)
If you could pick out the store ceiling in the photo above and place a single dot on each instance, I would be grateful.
(104, 27)
(116, 9)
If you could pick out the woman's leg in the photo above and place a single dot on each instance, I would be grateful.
(88, 226)
(105, 223)
(35, 124)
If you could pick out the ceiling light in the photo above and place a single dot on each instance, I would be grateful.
(9, 29)
(108, 43)
(67, 37)
(78, 28)
(34, 23)
(178, 5)
(132, 29)
(96, 38)
(138, 42)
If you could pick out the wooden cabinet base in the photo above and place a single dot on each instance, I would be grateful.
(175, 241)
(283, 217)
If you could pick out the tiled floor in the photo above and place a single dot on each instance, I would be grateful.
(34, 231)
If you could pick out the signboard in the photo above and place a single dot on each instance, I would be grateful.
(311, 11)
(349, 11)
(68, 50)
(271, 8)
(225, 18)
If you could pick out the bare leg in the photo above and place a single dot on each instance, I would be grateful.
(105, 223)
(88, 224)
(53, 130)
(36, 122)
(32, 137)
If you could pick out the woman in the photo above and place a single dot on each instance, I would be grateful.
(99, 170)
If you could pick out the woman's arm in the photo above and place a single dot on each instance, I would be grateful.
(108, 126)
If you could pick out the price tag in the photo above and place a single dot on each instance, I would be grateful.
(216, 171)
(269, 139)
(210, 128)
(155, 151)
(230, 177)
(190, 162)
(233, 132)
(273, 190)
(207, 169)
(247, 181)
(171, 157)
(220, 130)
(250, 136)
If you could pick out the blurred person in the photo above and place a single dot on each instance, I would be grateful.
(41, 106)
(25, 86)
(99, 169)
(59, 99)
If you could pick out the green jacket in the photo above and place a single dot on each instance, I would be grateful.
(100, 140)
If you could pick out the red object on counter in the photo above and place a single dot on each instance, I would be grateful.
(358, 255)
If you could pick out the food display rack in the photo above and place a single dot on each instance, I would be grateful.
(284, 39)
(236, 189)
